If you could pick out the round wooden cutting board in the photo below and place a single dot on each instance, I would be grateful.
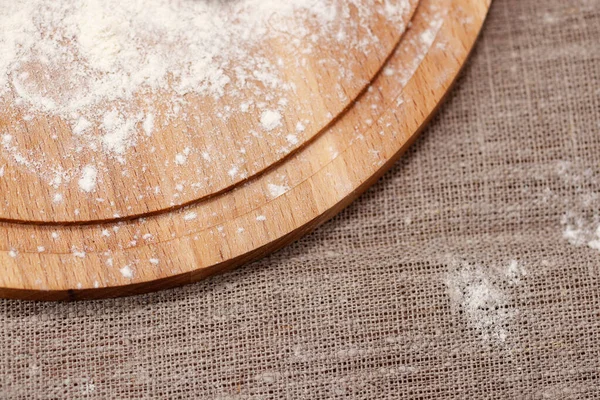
(276, 203)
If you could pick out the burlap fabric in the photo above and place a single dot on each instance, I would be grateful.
(470, 271)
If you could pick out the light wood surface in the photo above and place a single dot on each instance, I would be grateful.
(268, 211)
(222, 145)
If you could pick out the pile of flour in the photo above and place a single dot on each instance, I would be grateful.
(89, 61)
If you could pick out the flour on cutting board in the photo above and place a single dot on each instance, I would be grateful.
(87, 183)
(127, 272)
(277, 190)
(100, 65)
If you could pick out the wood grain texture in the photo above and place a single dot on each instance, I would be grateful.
(222, 145)
(271, 209)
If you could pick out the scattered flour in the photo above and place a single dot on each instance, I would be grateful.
(580, 231)
(277, 190)
(483, 296)
(270, 120)
(78, 253)
(127, 272)
(595, 242)
(118, 130)
(268, 377)
(88, 388)
(233, 172)
(292, 139)
(148, 124)
(87, 182)
(581, 221)
(180, 159)
(81, 126)
(190, 216)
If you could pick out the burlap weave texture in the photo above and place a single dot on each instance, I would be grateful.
(470, 271)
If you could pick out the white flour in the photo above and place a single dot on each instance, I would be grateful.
(581, 221)
(580, 231)
(87, 182)
(277, 190)
(270, 120)
(483, 296)
(127, 272)
(98, 64)
(120, 48)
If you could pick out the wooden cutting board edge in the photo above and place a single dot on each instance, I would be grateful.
(192, 276)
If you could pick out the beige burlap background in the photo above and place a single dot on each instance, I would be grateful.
(471, 270)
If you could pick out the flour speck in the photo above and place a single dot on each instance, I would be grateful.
(127, 272)
(87, 182)
(483, 296)
(148, 124)
(270, 120)
(78, 253)
(277, 190)
(180, 159)
(292, 139)
(190, 216)
(81, 126)
(233, 171)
